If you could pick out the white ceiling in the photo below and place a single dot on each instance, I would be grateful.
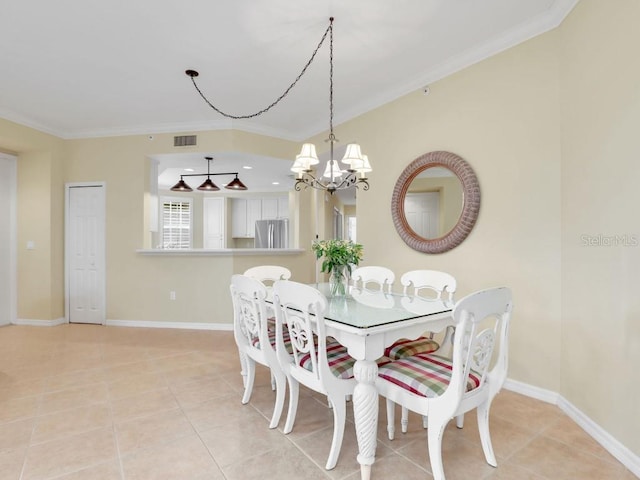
(88, 68)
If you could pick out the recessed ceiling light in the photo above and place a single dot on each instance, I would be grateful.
(275, 183)
(247, 167)
(188, 169)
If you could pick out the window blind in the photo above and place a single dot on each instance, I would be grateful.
(176, 224)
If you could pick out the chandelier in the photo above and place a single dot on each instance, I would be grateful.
(208, 185)
(334, 177)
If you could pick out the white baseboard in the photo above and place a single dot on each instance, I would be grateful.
(39, 323)
(184, 325)
(625, 456)
(527, 390)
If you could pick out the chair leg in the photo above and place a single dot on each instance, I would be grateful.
(425, 421)
(404, 421)
(434, 438)
(485, 435)
(250, 369)
(273, 382)
(391, 417)
(460, 420)
(339, 418)
(294, 389)
(243, 369)
(281, 384)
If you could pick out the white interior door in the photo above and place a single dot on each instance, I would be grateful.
(85, 247)
(421, 211)
(8, 254)
(214, 221)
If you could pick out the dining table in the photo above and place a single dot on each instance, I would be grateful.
(366, 322)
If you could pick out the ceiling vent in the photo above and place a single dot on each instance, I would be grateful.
(184, 140)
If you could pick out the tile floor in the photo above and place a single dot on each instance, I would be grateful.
(84, 402)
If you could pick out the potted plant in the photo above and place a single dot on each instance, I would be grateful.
(339, 256)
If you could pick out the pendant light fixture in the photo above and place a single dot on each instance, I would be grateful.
(333, 177)
(208, 185)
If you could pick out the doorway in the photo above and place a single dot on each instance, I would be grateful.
(8, 242)
(85, 253)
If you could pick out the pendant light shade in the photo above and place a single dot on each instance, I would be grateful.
(181, 186)
(208, 186)
(236, 184)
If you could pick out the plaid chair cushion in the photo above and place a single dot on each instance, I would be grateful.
(424, 375)
(407, 348)
(340, 362)
(271, 328)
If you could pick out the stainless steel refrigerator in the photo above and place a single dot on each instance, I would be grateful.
(272, 234)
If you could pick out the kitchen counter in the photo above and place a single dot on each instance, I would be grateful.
(220, 252)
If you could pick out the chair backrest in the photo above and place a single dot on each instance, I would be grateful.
(381, 277)
(481, 341)
(250, 315)
(434, 282)
(268, 274)
(301, 309)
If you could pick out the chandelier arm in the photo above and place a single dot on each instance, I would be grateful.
(308, 180)
(193, 74)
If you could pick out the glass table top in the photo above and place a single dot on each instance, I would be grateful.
(363, 308)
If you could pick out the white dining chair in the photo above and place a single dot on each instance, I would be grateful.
(373, 277)
(256, 343)
(268, 274)
(428, 284)
(321, 365)
(441, 388)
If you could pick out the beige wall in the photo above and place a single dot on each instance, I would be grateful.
(502, 116)
(600, 91)
(39, 211)
(560, 110)
(137, 286)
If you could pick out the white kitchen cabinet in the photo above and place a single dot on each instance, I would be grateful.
(283, 206)
(244, 213)
(270, 208)
(275, 208)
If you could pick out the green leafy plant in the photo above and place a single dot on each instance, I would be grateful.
(337, 253)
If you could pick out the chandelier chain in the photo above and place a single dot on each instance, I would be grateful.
(332, 137)
(286, 92)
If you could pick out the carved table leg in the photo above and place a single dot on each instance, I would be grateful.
(365, 412)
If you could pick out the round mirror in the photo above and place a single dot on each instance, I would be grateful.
(435, 202)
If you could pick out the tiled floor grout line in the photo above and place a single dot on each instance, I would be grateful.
(195, 430)
(115, 437)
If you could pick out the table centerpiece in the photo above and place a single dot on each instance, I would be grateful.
(339, 257)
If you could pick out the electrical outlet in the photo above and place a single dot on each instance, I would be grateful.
(172, 295)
